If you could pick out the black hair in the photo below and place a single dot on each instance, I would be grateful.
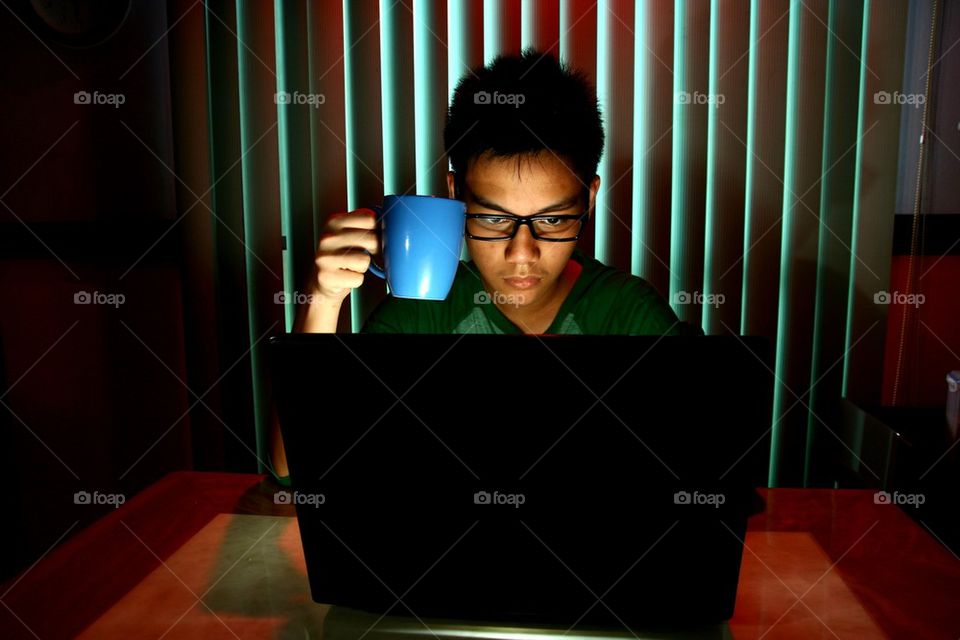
(523, 105)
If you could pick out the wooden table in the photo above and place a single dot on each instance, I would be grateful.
(210, 555)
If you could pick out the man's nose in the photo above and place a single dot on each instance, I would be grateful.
(523, 247)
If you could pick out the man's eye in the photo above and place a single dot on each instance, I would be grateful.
(496, 221)
(551, 222)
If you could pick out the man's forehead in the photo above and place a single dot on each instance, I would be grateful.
(530, 175)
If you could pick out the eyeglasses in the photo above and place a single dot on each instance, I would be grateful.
(547, 227)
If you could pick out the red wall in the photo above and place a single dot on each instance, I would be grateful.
(931, 344)
(87, 398)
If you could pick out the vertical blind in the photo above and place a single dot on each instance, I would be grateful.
(748, 174)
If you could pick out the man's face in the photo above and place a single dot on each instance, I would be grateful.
(525, 269)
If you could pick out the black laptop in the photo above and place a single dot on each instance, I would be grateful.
(571, 481)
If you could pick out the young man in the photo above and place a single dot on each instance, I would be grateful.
(524, 137)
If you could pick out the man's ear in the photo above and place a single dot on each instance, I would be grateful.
(451, 190)
(594, 188)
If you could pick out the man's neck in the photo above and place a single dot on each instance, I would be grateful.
(538, 319)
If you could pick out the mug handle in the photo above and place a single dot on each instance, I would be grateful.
(374, 268)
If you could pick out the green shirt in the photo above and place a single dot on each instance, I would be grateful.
(603, 301)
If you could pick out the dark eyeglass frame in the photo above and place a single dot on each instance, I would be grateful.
(528, 220)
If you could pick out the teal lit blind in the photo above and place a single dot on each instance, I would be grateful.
(743, 174)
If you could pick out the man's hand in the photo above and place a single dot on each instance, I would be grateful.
(342, 259)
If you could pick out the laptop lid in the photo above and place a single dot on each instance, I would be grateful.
(574, 480)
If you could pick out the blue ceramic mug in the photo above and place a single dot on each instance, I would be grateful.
(421, 238)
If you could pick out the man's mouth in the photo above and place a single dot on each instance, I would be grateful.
(524, 282)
